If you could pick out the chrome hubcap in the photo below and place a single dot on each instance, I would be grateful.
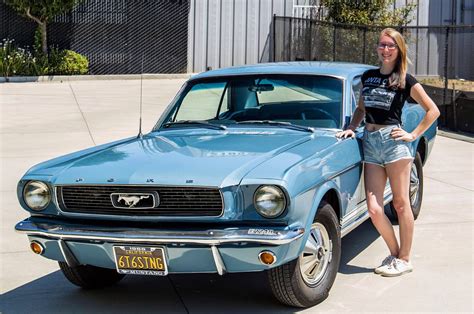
(317, 254)
(414, 184)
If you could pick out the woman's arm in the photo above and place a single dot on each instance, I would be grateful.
(357, 117)
(432, 113)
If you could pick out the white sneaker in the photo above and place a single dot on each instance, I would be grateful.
(397, 268)
(385, 264)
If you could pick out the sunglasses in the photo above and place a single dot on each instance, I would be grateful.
(388, 46)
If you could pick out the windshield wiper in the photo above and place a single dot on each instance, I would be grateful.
(279, 124)
(196, 122)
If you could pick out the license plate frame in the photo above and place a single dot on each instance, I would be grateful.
(140, 260)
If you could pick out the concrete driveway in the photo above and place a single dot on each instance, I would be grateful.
(43, 120)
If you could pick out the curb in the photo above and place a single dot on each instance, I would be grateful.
(63, 78)
(456, 136)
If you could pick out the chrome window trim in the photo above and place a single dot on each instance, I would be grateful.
(171, 106)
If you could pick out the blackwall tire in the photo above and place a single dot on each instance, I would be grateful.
(298, 283)
(90, 277)
(416, 189)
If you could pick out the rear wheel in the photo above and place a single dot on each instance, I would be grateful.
(416, 188)
(307, 280)
(90, 277)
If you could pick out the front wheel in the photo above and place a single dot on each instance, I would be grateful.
(307, 280)
(90, 277)
(416, 188)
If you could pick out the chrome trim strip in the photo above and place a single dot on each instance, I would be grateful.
(331, 177)
(140, 185)
(220, 266)
(268, 236)
(344, 104)
(68, 255)
(346, 230)
(350, 222)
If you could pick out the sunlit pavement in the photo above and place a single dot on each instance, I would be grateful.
(43, 120)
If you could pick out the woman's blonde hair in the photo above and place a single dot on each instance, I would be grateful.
(397, 79)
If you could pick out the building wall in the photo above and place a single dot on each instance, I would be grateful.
(225, 33)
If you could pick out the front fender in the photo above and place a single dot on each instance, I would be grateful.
(315, 196)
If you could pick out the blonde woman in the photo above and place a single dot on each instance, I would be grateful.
(385, 144)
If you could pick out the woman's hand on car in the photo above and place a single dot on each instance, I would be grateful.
(345, 134)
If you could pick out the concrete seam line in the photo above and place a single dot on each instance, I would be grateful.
(177, 294)
(438, 180)
(62, 78)
(82, 114)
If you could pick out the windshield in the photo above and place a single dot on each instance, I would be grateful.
(311, 101)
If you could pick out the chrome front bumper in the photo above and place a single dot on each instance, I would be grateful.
(212, 237)
(264, 235)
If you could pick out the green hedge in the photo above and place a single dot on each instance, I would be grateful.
(15, 61)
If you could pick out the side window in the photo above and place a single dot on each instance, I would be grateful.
(356, 90)
(207, 96)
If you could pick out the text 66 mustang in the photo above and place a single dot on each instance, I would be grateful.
(242, 173)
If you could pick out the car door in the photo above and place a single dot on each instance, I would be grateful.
(356, 88)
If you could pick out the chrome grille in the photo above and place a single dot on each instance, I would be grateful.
(174, 201)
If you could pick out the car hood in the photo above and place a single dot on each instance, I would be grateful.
(204, 158)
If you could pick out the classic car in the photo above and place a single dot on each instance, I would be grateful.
(241, 173)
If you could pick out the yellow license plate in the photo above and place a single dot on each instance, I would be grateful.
(140, 260)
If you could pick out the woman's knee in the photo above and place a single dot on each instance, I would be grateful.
(401, 204)
(375, 212)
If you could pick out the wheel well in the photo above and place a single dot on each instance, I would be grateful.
(422, 149)
(332, 198)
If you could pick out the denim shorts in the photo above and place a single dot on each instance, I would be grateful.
(380, 148)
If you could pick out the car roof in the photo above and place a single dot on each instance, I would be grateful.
(340, 69)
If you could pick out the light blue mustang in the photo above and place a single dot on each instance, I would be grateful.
(242, 173)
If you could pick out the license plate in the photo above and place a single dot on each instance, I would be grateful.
(140, 260)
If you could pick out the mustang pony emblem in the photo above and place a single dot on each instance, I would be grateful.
(135, 200)
(131, 201)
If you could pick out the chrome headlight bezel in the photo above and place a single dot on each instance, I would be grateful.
(37, 189)
(269, 194)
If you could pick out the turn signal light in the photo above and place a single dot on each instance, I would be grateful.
(267, 258)
(36, 247)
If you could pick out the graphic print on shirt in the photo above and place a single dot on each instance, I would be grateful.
(376, 94)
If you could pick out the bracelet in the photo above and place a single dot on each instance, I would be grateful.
(351, 127)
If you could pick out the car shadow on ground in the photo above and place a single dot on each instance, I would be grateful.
(354, 243)
(187, 293)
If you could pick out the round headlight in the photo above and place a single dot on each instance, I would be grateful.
(269, 201)
(36, 195)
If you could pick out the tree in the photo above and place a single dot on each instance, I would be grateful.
(42, 11)
(362, 22)
(368, 12)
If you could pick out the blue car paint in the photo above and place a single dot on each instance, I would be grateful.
(236, 160)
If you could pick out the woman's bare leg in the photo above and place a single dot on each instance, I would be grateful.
(375, 179)
(399, 176)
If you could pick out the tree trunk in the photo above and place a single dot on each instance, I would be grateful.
(44, 40)
(42, 26)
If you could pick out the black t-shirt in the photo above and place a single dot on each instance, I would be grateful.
(383, 104)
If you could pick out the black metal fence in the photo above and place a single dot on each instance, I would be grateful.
(434, 51)
(115, 35)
